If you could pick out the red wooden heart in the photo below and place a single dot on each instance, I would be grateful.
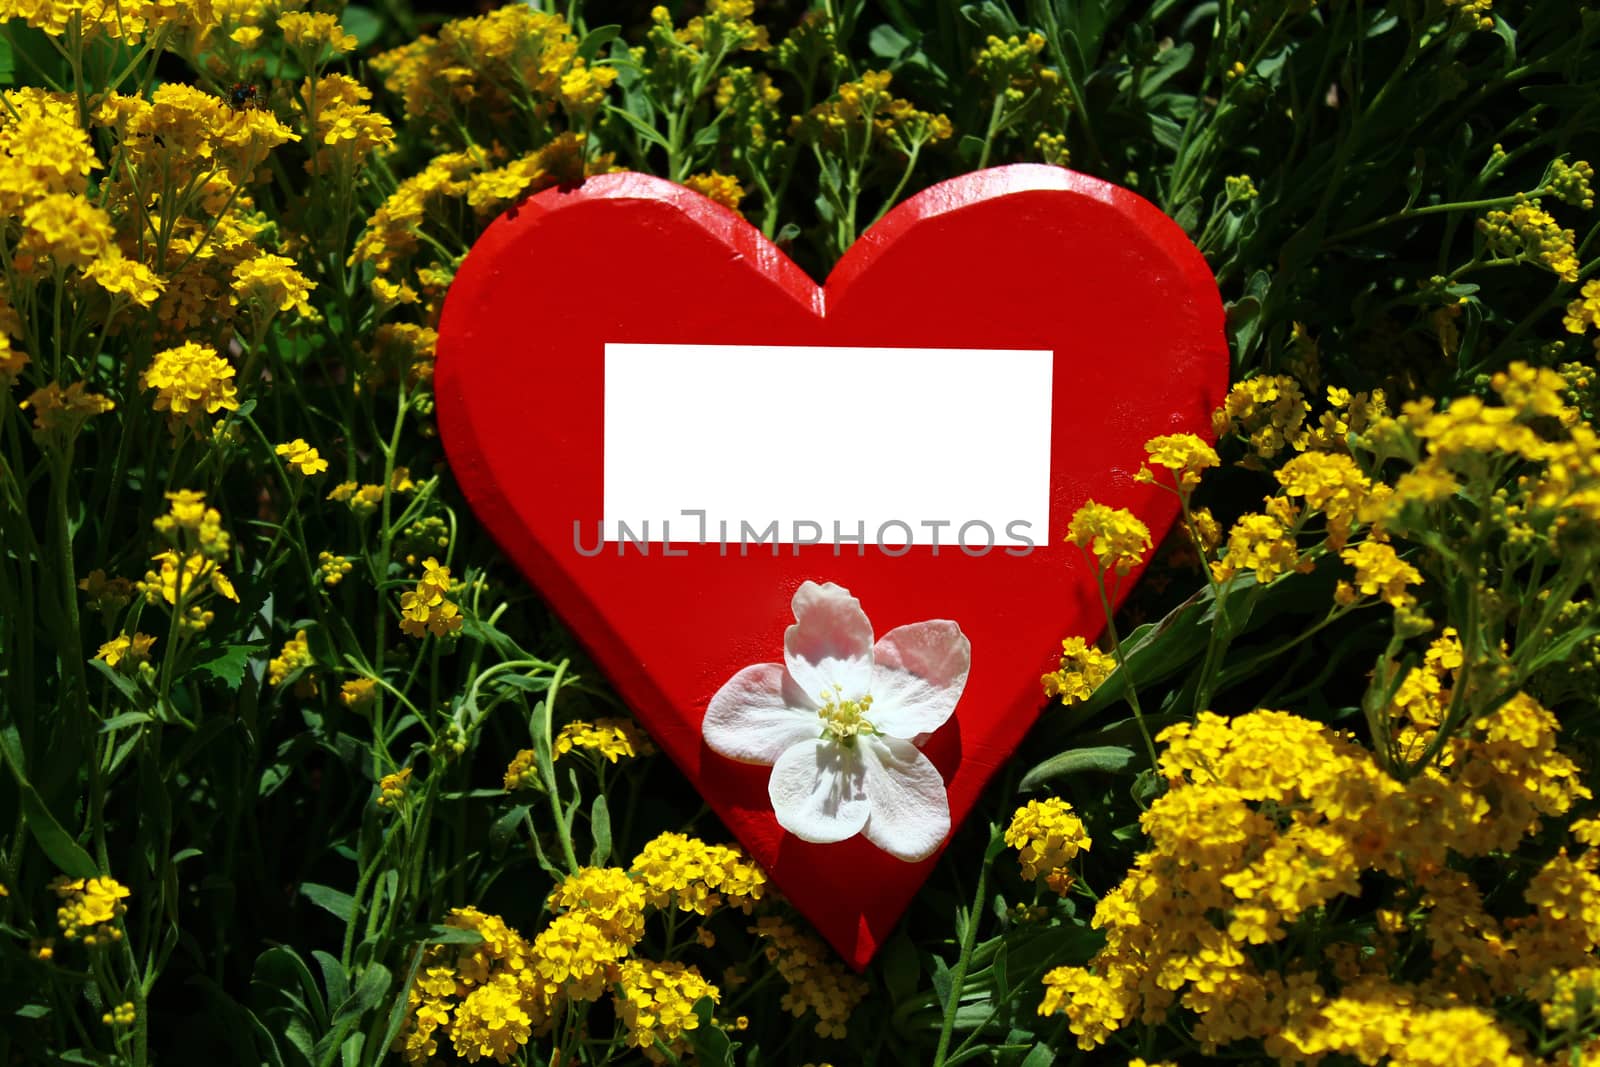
(1018, 257)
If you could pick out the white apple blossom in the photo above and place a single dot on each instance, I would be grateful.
(838, 721)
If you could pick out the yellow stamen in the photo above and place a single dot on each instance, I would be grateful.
(845, 719)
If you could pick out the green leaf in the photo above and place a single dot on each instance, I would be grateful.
(334, 978)
(1104, 758)
(127, 718)
(362, 23)
(596, 40)
(340, 905)
(119, 681)
(640, 126)
(56, 843)
(710, 1043)
(1038, 1056)
(228, 664)
(600, 826)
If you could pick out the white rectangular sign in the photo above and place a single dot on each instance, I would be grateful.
(889, 445)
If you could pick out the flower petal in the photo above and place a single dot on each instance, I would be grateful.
(830, 643)
(910, 810)
(758, 714)
(918, 674)
(816, 791)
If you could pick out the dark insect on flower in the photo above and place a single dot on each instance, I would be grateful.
(244, 95)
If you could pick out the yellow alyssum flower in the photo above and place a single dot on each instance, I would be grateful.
(299, 456)
(273, 284)
(125, 277)
(64, 411)
(1379, 572)
(358, 692)
(189, 380)
(1269, 411)
(1528, 232)
(189, 523)
(348, 131)
(1329, 482)
(296, 653)
(611, 738)
(819, 985)
(90, 908)
(135, 648)
(66, 227)
(1259, 543)
(1083, 667)
(1047, 835)
(714, 185)
(331, 569)
(392, 788)
(1182, 453)
(608, 898)
(122, 1015)
(686, 873)
(427, 608)
(313, 32)
(1113, 535)
(1583, 313)
(523, 771)
(655, 1002)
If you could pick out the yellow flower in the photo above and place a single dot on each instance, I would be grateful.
(1047, 835)
(1115, 537)
(723, 188)
(691, 875)
(819, 985)
(135, 648)
(64, 411)
(297, 455)
(312, 33)
(1259, 543)
(89, 908)
(655, 1002)
(611, 738)
(126, 277)
(1379, 572)
(358, 692)
(522, 772)
(1528, 232)
(392, 788)
(122, 1015)
(1268, 411)
(428, 609)
(1583, 313)
(1331, 483)
(1083, 668)
(272, 284)
(190, 380)
(1184, 454)
(67, 228)
(296, 654)
(331, 569)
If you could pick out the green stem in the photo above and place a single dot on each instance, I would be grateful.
(969, 938)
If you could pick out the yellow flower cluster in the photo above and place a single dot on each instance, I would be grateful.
(1184, 454)
(865, 111)
(347, 132)
(1010, 67)
(1583, 313)
(513, 62)
(523, 771)
(392, 788)
(428, 609)
(190, 380)
(301, 457)
(296, 654)
(818, 983)
(1048, 835)
(358, 692)
(331, 569)
(90, 908)
(656, 1004)
(1528, 232)
(684, 872)
(1269, 818)
(315, 34)
(133, 649)
(610, 738)
(189, 571)
(713, 185)
(60, 413)
(270, 284)
(1083, 667)
(491, 997)
(123, 1014)
(1115, 538)
(364, 500)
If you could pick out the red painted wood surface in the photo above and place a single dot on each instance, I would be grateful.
(1017, 257)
